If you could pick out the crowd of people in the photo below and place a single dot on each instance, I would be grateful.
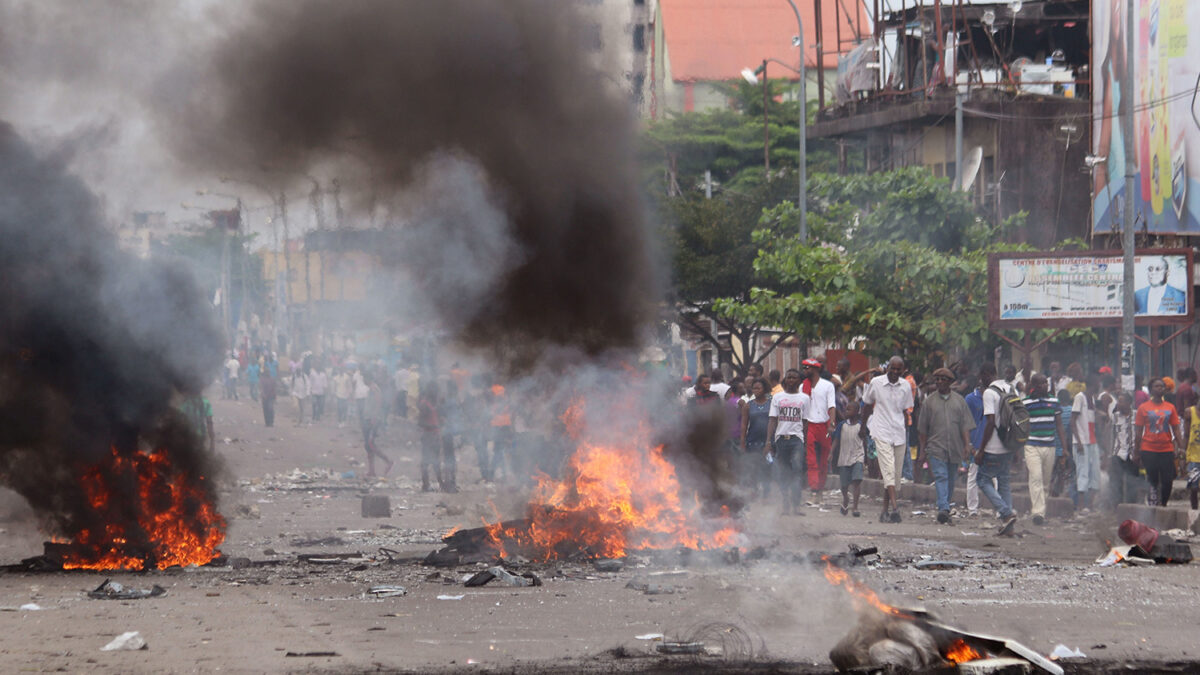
(442, 412)
(1071, 433)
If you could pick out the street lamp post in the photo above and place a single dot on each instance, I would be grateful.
(801, 165)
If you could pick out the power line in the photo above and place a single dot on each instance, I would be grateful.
(1155, 103)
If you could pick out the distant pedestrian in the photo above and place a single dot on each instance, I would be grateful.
(755, 419)
(1086, 449)
(318, 385)
(232, 366)
(702, 394)
(343, 389)
(887, 399)
(453, 428)
(944, 427)
(1157, 437)
(253, 373)
(1123, 473)
(1191, 426)
(373, 412)
(198, 411)
(851, 456)
(268, 386)
(299, 391)
(429, 422)
(994, 459)
(785, 440)
(820, 418)
(504, 437)
(1045, 427)
(974, 401)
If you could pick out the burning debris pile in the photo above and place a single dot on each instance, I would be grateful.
(914, 641)
(96, 345)
(618, 494)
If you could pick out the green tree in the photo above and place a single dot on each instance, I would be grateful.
(897, 258)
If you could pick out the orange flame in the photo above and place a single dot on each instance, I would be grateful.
(961, 652)
(838, 577)
(613, 498)
(171, 520)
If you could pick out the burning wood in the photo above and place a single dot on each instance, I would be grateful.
(616, 496)
(145, 513)
(913, 640)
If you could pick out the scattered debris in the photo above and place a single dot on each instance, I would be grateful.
(649, 636)
(247, 511)
(386, 591)
(316, 654)
(497, 572)
(451, 597)
(939, 565)
(1160, 548)
(376, 506)
(608, 565)
(31, 607)
(680, 648)
(319, 541)
(111, 590)
(131, 641)
(1062, 651)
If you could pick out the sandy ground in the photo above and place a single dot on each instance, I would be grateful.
(1041, 587)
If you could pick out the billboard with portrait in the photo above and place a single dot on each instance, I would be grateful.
(1166, 119)
(1084, 289)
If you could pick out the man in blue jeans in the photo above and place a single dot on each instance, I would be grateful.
(993, 458)
(943, 432)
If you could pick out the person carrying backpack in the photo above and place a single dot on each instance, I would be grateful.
(1002, 413)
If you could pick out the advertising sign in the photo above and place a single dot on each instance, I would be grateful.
(1166, 119)
(1084, 289)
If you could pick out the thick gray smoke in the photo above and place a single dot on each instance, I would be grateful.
(95, 342)
(506, 85)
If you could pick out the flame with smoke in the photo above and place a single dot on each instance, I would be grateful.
(618, 494)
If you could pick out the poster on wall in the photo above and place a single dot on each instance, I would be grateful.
(1085, 289)
(1166, 119)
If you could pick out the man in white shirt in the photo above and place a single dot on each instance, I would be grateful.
(994, 460)
(232, 367)
(887, 397)
(717, 384)
(785, 439)
(822, 414)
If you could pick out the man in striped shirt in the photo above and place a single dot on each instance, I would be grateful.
(1045, 421)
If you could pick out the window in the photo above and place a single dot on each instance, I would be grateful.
(639, 38)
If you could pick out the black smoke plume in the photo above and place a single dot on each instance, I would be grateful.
(95, 344)
(509, 86)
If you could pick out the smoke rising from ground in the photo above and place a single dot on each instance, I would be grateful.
(506, 84)
(95, 342)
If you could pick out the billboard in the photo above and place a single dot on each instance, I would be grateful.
(1084, 289)
(1166, 119)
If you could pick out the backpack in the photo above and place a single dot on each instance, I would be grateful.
(1012, 420)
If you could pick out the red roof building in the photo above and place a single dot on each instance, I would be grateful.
(703, 41)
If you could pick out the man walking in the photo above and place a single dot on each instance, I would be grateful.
(785, 439)
(887, 397)
(943, 431)
(268, 387)
(1045, 426)
(822, 413)
(994, 460)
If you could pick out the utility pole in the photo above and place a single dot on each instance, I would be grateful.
(1127, 241)
(958, 140)
(802, 164)
(766, 125)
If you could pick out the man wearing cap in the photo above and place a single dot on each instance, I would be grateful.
(822, 412)
(887, 397)
(944, 433)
